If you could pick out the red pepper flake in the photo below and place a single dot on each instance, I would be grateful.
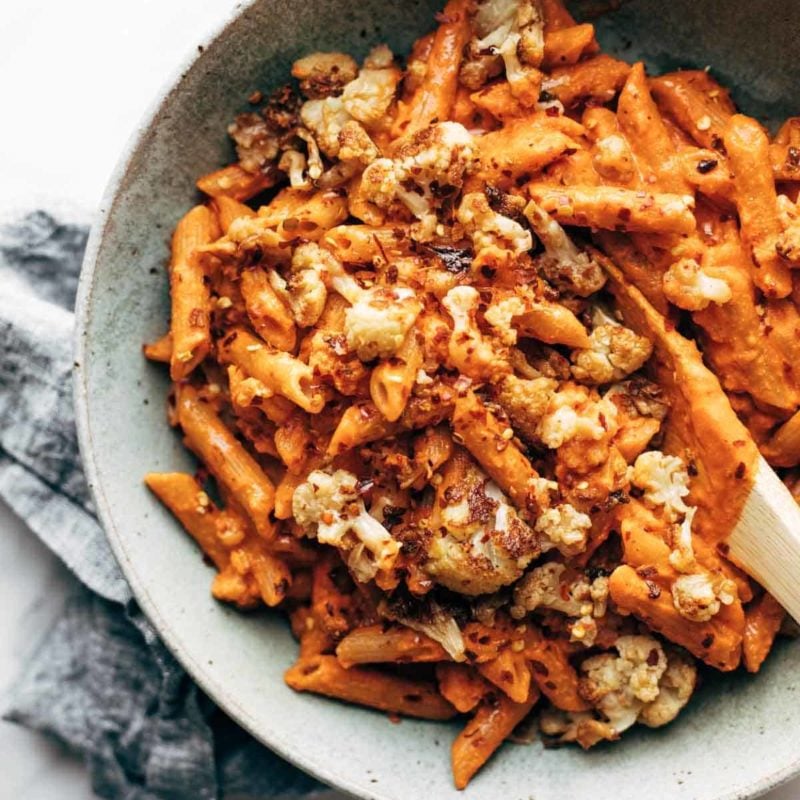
(740, 470)
(707, 165)
(708, 641)
(652, 658)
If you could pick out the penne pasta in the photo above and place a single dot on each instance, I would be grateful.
(436, 93)
(495, 719)
(763, 620)
(377, 644)
(747, 147)
(159, 350)
(484, 436)
(616, 209)
(280, 372)
(366, 687)
(268, 314)
(392, 380)
(190, 326)
(235, 182)
(226, 459)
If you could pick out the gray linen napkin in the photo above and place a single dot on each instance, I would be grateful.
(101, 680)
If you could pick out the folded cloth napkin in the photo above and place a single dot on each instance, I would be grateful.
(101, 680)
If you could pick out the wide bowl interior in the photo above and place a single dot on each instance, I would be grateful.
(740, 734)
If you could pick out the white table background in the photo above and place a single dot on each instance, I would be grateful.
(74, 79)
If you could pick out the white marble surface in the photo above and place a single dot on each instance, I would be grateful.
(74, 78)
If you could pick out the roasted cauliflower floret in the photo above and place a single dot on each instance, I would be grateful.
(325, 118)
(562, 264)
(437, 157)
(566, 527)
(644, 683)
(368, 97)
(664, 480)
(508, 34)
(700, 596)
(674, 690)
(355, 145)
(379, 320)
(328, 507)
(639, 397)
(305, 290)
(582, 727)
(573, 413)
(324, 74)
(479, 543)
(256, 142)
(500, 315)
(547, 587)
(620, 686)
(615, 353)
(689, 286)
(788, 244)
(525, 401)
(493, 235)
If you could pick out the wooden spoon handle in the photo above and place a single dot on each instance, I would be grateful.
(766, 540)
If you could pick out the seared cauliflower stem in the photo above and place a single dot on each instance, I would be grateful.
(439, 431)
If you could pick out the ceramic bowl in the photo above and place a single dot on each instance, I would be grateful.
(739, 736)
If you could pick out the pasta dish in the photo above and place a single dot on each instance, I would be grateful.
(477, 352)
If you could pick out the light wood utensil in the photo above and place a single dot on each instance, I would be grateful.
(766, 540)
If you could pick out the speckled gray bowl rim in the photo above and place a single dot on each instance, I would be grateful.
(267, 733)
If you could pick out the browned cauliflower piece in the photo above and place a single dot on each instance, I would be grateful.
(256, 142)
(525, 401)
(368, 98)
(324, 74)
(616, 352)
(436, 158)
(563, 264)
(664, 480)
(788, 244)
(469, 351)
(639, 397)
(379, 320)
(574, 412)
(355, 145)
(565, 527)
(329, 508)
(478, 541)
(491, 232)
(305, 290)
(698, 597)
(690, 287)
(619, 686)
(340, 122)
(581, 727)
(645, 683)
(547, 587)
(674, 690)
(508, 35)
